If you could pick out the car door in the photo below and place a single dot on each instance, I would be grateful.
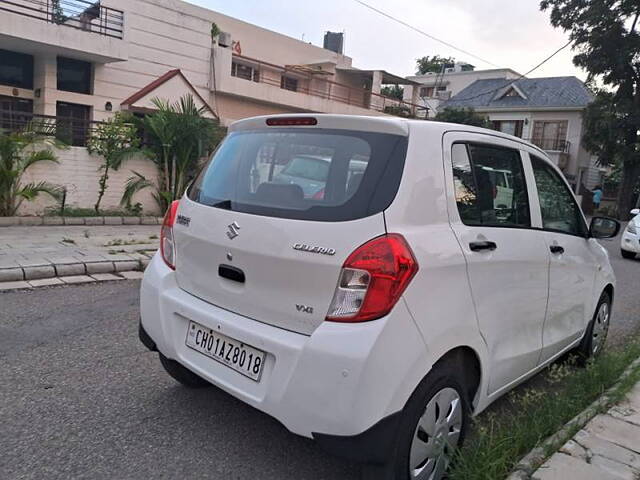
(507, 261)
(573, 262)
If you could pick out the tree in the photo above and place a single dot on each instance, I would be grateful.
(18, 152)
(605, 37)
(115, 141)
(432, 64)
(465, 116)
(178, 135)
(392, 91)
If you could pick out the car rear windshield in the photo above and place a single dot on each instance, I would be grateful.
(303, 173)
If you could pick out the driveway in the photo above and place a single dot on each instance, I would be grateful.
(82, 398)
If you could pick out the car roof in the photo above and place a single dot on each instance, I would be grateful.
(381, 124)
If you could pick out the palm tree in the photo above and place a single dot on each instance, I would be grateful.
(177, 136)
(18, 152)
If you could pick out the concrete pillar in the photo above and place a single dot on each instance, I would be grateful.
(45, 80)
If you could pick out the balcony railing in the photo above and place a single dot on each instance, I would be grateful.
(328, 89)
(79, 14)
(552, 144)
(71, 131)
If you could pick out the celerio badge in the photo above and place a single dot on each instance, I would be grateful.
(314, 249)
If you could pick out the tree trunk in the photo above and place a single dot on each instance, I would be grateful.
(630, 181)
(102, 187)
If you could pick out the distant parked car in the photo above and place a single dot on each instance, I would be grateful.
(630, 242)
(373, 282)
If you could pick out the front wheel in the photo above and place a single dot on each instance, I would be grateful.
(595, 337)
(627, 254)
(433, 426)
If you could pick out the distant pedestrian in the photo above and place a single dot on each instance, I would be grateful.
(597, 197)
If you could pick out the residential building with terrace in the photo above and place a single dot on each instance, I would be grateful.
(77, 62)
(545, 111)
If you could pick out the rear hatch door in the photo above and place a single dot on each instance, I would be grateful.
(270, 245)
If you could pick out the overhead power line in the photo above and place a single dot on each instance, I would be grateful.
(422, 32)
(518, 78)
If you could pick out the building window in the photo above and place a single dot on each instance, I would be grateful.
(72, 123)
(289, 83)
(245, 71)
(427, 92)
(511, 127)
(16, 69)
(15, 113)
(74, 75)
(550, 135)
(441, 89)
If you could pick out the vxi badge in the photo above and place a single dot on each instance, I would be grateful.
(314, 249)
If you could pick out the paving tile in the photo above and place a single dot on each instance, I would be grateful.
(132, 275)
(31, 221)
(603, 448)
(575, 450)
(77, 279)
(53, 221)
(616, 431)
(13, 285)
(103, 277)
(45, 282)
(94, 220)
(32, 261)
(131, 220)
(564, 467)
(99, 267)
(618, 469)
(113, 220)
(32, 273)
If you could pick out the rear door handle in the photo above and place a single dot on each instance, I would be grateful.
(556, 249)
(484, 245)
(231, 273)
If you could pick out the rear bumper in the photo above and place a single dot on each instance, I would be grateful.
(343, 385)
(630, 242)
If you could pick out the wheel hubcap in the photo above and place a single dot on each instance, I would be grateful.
(436, 436)
(600, 328)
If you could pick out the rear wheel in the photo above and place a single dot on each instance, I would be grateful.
(181, 374)
(433, 426)
(596, 335)
(627, 254)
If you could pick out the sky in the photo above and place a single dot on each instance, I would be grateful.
(508, 33)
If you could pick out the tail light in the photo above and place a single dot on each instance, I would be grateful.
(167, 243)
(372, 279)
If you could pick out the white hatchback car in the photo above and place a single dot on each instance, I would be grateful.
(630, 241)
(375, 317)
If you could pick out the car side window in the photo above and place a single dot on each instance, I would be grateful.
(557, 205)
(490, 187)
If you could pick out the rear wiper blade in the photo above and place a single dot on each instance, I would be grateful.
(225, 204)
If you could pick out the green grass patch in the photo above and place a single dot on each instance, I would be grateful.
(89, 212)
(501, 436)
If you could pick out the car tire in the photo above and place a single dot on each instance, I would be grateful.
(435, 418)
(627, 254)
(183, 375)
(595, 337)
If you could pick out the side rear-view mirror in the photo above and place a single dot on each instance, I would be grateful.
(604, 227)
(635, 211)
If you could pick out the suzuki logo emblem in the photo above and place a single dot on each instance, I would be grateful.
(232, 231)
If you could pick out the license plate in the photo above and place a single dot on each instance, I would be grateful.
(239, 356)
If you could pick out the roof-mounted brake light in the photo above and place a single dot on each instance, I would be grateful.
(289, 121)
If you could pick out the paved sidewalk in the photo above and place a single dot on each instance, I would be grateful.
(607, 448)
(32, 253)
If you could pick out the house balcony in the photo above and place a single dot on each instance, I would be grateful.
(557, 149)
(86, 30)
(73, 132)
(301, 88)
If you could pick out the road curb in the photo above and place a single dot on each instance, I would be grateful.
(59, 270)
(50, 221)
(69, 280)
(530, 463)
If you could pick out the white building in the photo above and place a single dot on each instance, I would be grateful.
(434, 89)
(76, 62)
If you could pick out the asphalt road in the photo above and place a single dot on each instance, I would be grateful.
(80, 397)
